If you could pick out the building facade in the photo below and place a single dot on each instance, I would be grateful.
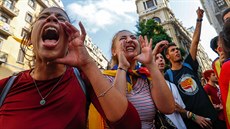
(96, 53)
(161, 13)
(213, 10)
(16, 18)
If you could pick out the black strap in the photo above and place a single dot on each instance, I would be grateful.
(6, 89)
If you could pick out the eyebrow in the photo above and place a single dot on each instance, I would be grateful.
(124, 36)
(56, 14)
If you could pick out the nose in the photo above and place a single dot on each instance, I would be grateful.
(52, 18)
(128, 39)
(160, 60)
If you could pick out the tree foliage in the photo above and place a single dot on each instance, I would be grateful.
(153, 30)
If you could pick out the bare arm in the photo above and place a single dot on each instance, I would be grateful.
(159, 90)
(120, 81)
(113, 103)
(200, 120)
(196, 35)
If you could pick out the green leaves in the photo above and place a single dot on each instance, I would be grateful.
(153, 30)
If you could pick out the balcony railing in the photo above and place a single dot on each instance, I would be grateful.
(3, 57)
(9, 8)
(43, 3)
(5, 29)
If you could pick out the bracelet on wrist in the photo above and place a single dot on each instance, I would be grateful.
(122, 69)
(189, 115)
(193, 116)
(103, 93)
(199, 20)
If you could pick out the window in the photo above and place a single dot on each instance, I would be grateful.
(150, 4)
(29, 18)
(144, 5)
(24, 32)
(8, 4)
(1, 42)
(157, 19)
(221, 3)
(4, 19)
(32, 3)
(20, 56)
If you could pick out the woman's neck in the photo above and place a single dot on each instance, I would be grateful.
(48, 71)
(133, 65)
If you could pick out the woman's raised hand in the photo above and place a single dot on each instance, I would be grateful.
(77, 54)
(122, 61)
(145, 56)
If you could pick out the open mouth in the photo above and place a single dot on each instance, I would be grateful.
(130, 48)
(50, 35)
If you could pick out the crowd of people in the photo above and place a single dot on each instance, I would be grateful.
(128, 94)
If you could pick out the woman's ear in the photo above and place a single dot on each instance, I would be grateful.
(114, 52)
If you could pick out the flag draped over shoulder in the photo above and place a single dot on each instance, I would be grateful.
(138, 71)
(95, 120)
(216, 67)
(224, 82)
(227, 105)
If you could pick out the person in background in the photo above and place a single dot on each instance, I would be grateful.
(225, 72)
(175, 117)
(212, 89)
(145, 87)
(216, 64)
(49, 95)
(184, 75)
(226, 15)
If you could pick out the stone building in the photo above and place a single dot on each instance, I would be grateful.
(213, 10)
(161, 13)
(16, 18)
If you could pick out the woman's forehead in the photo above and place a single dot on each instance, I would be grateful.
(125, 33)
(55, 11)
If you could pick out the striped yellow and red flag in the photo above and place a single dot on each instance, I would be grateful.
(227, 106)
(224, 82)
(216, 67)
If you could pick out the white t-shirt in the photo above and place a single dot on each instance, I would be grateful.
(176, 117)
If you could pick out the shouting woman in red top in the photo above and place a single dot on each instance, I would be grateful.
(49, 95)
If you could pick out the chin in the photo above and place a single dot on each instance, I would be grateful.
(179, 60)
(130, 55)
(52, 56)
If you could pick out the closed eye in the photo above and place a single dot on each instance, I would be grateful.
(62, 19)
(122, 38)
(42, 17)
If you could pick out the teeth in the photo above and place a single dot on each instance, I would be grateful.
(51, 28)
(130, 48)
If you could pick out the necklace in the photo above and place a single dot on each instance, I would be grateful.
(43, 101)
